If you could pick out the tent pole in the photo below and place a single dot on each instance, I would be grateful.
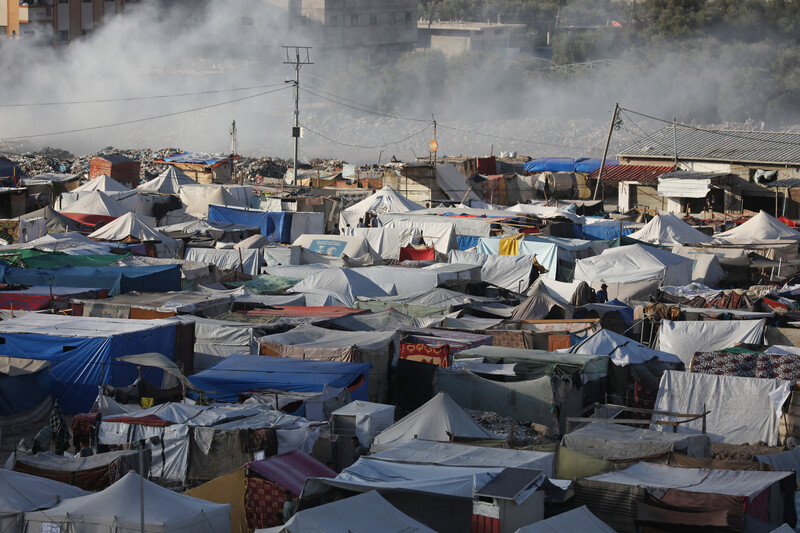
(141, 489)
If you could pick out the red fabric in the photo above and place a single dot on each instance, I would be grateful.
(643, 398)
(790, 223)
(84, 428)
(775, 305)
(89, 220)
(758, 508)
(149, 420)
(487, 165)
(24, 302)
(262, 500)
(421, 352)
(747, 365)
(409, 253)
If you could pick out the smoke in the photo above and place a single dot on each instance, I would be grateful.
(482, 103)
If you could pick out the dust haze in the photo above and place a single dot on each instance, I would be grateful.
(481, 103)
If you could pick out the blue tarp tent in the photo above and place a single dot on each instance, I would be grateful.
(607, 230)
(276, 227)
(553, 164)
(83, 352)
(241, 373)
(117, 280)
(587, 166)
(24, 385)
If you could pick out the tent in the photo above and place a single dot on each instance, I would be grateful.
(335, 245)
(70, 242)
(94, 208)
(247, 261)
(131, 228)
(102, 183)
(432, 421)
(255, 491)
(20, 493)
(667, 230)
(741, 409)
(385, 200)
(403, 280)
(622, 350)
(546, 299)
(168, 182)
(241, 373)
(204, 228)
(82, 351)
(378, 348)
(633, 271)
(24, 390)
(762, 228)
(95, 472)
(55, 222)
(199, 198)
(149, 305)
(511, 272)
(276, 227)
(367, 419)
(580, 519)
(686, 338)
(117, 509)
(358, 514)
(337, 286)
(546, 212)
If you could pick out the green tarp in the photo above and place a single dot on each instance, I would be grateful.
(39, 259)
(266, 283)
(416, 311)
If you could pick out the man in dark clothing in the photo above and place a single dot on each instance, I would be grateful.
(86, 450)
(602, 294)
(358, 448)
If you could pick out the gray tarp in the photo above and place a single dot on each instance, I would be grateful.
(615, 441)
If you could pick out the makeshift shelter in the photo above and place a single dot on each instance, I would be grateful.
(94, 208)
(338, 286)
(276, 227)
(255, 491)
(612, 442)
(55, 222)
(82, 351)
(622, 350)
(95, 472)
(385, 200)
(357, 514)
(207, 229)
(740, 409)
(761, 229)
(668, 229)
(245, 261)
(432, 421)
(509, 272)
(131, 228)
(199, 198)
(408, 280)
(21, 493)
(241, 373)
(117, 509)
(335, 245)
(102, 183)
(674, 497)
(168, 182)
(544, 302)
(686, 338)
(150, 305)
(377, 348)
(634, 271)
(580, 519)
(362, 419)
(24, 391)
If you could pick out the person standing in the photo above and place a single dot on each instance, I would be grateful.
(602, 294)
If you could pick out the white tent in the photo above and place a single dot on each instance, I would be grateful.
(386, 200)
(365, 513)
(762, 228)
(369, 418)
(633, 271)
(168, 182)
(96, 203)
(337, 286)
(580, 519)
(622, 350)
(546, 212)
(132, 228)
(102, 183)
(432, 421)
(511, 272)
(335, 245)
(20, 493)
(197, 198)
(542, 297)
(687, 337)
(117, 510)
(669, 229)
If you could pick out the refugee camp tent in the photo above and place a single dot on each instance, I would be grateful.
(385, 200)
(117, 509)
(409, 280)
(674, 496)
(432, 421)
(168, 182)
(102, 183)
(357, 514)
(82, 351)
(512, 272)
(762, 228)
(546, 212)
(255, 491)
(94, 208)
(336, 286)
(668, 230)
(21, 493)
(634, 271)
(621, 350)
(276, 227)
(378, 348)
(131, 228)
(95, 472)
(365, 419)
(204, 228)
(454, 184)
(741, 409)
(335, 245)
(70, 242)
(227, 259)
(55, 222)
(580, 519)
(438, 232)
(198, 198)
(240, 373)
(545, 301)
(24, 391)
(686, 338)
(150, 305)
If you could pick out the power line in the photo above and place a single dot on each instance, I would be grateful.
(379, 113)
(138, 120)
(134, 98)
(365, 147)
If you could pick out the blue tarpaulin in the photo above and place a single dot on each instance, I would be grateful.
(553, 164)
(83, 352)
(21, 392)
(587, 166)
(241, 373)
(465, 242)
(197, 158)
(276, 227)
(605, 231)
(117, 280)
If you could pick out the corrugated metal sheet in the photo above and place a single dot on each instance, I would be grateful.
(613, 504)
(726, 146)
(788, 183)
(683, 188)
(640, 173)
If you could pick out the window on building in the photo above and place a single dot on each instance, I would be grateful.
(63, 35)
(354, 20)
(373, 19)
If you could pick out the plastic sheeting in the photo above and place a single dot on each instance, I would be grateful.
(247, 261)
(622, 350)
(276, 227)
(454, 184)
(386, 200)
(580, 519)
(342, 284)
(198, 198)
(686, 338)
(741, 409)
(168, 182)
(303, 222)
(613, 442)
(370, 418)
(506, 271)
(22, 492)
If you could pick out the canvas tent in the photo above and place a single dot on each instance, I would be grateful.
(580, 519)
(385, 200)
(21, 493)
(102, 183)
(131, 228)
(24, 390)
(337, 286)
(94, 208)
(198, 198)
(622, 350)
(117, 509)
(432, 421)
(634, 271)
(168, 182)
(686, 338)
(366, 419)
(761, 229)
(335, 245)
(668, 230)
(512, 272)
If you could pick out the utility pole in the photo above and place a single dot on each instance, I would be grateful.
(605, 150)
(297, 56)
(675, 143)
(234, 143)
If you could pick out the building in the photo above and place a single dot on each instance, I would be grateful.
(204, 168)
(117, 167)
(454, 38)
(748, 162)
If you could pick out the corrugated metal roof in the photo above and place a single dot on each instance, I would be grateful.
(640, 173)
(725, 146)
(509, 483)
(689, 175)
(788, 183)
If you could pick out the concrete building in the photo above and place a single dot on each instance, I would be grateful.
(454, 38)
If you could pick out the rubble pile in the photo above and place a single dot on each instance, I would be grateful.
(503, 425)
(265, 167)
